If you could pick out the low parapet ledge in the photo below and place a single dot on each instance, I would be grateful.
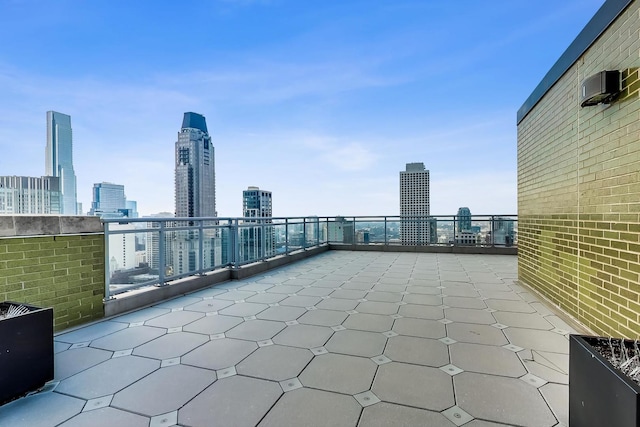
(48, 225)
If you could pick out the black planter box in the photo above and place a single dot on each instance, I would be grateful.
(599, 394)
(26, 351)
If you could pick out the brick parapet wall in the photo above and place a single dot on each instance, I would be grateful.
(54, 262)
(579, 190)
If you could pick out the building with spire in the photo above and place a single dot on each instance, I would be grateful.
(59, 159)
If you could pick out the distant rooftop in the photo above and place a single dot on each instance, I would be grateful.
(194, 121)
(415, 167)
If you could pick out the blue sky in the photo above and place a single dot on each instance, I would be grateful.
(322, 102)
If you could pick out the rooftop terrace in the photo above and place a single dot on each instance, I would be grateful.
(339, 339)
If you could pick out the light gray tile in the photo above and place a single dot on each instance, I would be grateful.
(337, 304)
(285, 289)
(282, 313)
(266, 298)
(419, 328)
(419, 351)
(422, 299)
(384, 296)
(171, 345)
(423, 290)
(244, 309)
(462, 302)
(538, 340)
(388, 414)
(164, 390)
(208, 305)
(219, 354)
(275, 362)
(179, 302)
(108, 377)
(235, 295)
(322, 409)
(500, 295)
(211, 325)
(141, 315)
(354, 294)
(315, 292)
(174, 319)
(128, 338)
(339, 373)
(557, 395)
(405, 384)
(71, 362)
(92, 332)
(304, 336)
(375, 307)
(501, 397)
(486, 359)
(29, 411)
(256, 330)
(523, 320)
(505, 305)
(468, 315)
(369, 322)
(356, 343)
(476, 334)
(421, 311)
(226, 403)
(323, 318)
(107, 417)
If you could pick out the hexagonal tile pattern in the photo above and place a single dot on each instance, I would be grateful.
(501, 395)
(266, 298)
(142, 315)
(90, 333)
(171, 345)
(219, 354)
(235, 295)
(164, 390)
(422, 299)
(321, 409)
(506, 305)
(226, 403)
(420, 351)
(29, 410)
(323, 318)
(354, 294)
(523, 320)
(486, 359)
(476, 334)
(211, 325)
(275, 362)
(357, 343)
(419, 328)
(315, 292)
(384, 296)
(108, 377)
(285, 289)
(305, 336)
(256, 330)
(388, 414)
(339, 373)
(405, 384)
(337, 304)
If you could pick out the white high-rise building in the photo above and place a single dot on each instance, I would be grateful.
(414, 205)
(29, 195)
(257, 242)
(59, 159)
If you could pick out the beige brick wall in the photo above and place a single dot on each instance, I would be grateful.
(579, 190)
(65, 272)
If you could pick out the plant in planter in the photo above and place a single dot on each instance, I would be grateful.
(26, 349)
(604, 381)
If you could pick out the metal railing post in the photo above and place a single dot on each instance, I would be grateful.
(235, 228)
(107, 269)
(201, 248)
(304, 233)
(286, 236)
(161, 254)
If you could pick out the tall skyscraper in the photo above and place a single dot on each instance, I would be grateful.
(464, 219)
(414, 205)
(257, 241)
(195, 179)
(195, 196)
(59, 159)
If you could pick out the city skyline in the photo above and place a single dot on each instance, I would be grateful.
(324, 110)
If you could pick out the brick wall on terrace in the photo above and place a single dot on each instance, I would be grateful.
(54, 261)
(579, 190)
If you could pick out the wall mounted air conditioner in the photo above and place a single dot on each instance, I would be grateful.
(603, 87)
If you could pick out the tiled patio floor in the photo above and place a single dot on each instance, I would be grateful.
(340, 339)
